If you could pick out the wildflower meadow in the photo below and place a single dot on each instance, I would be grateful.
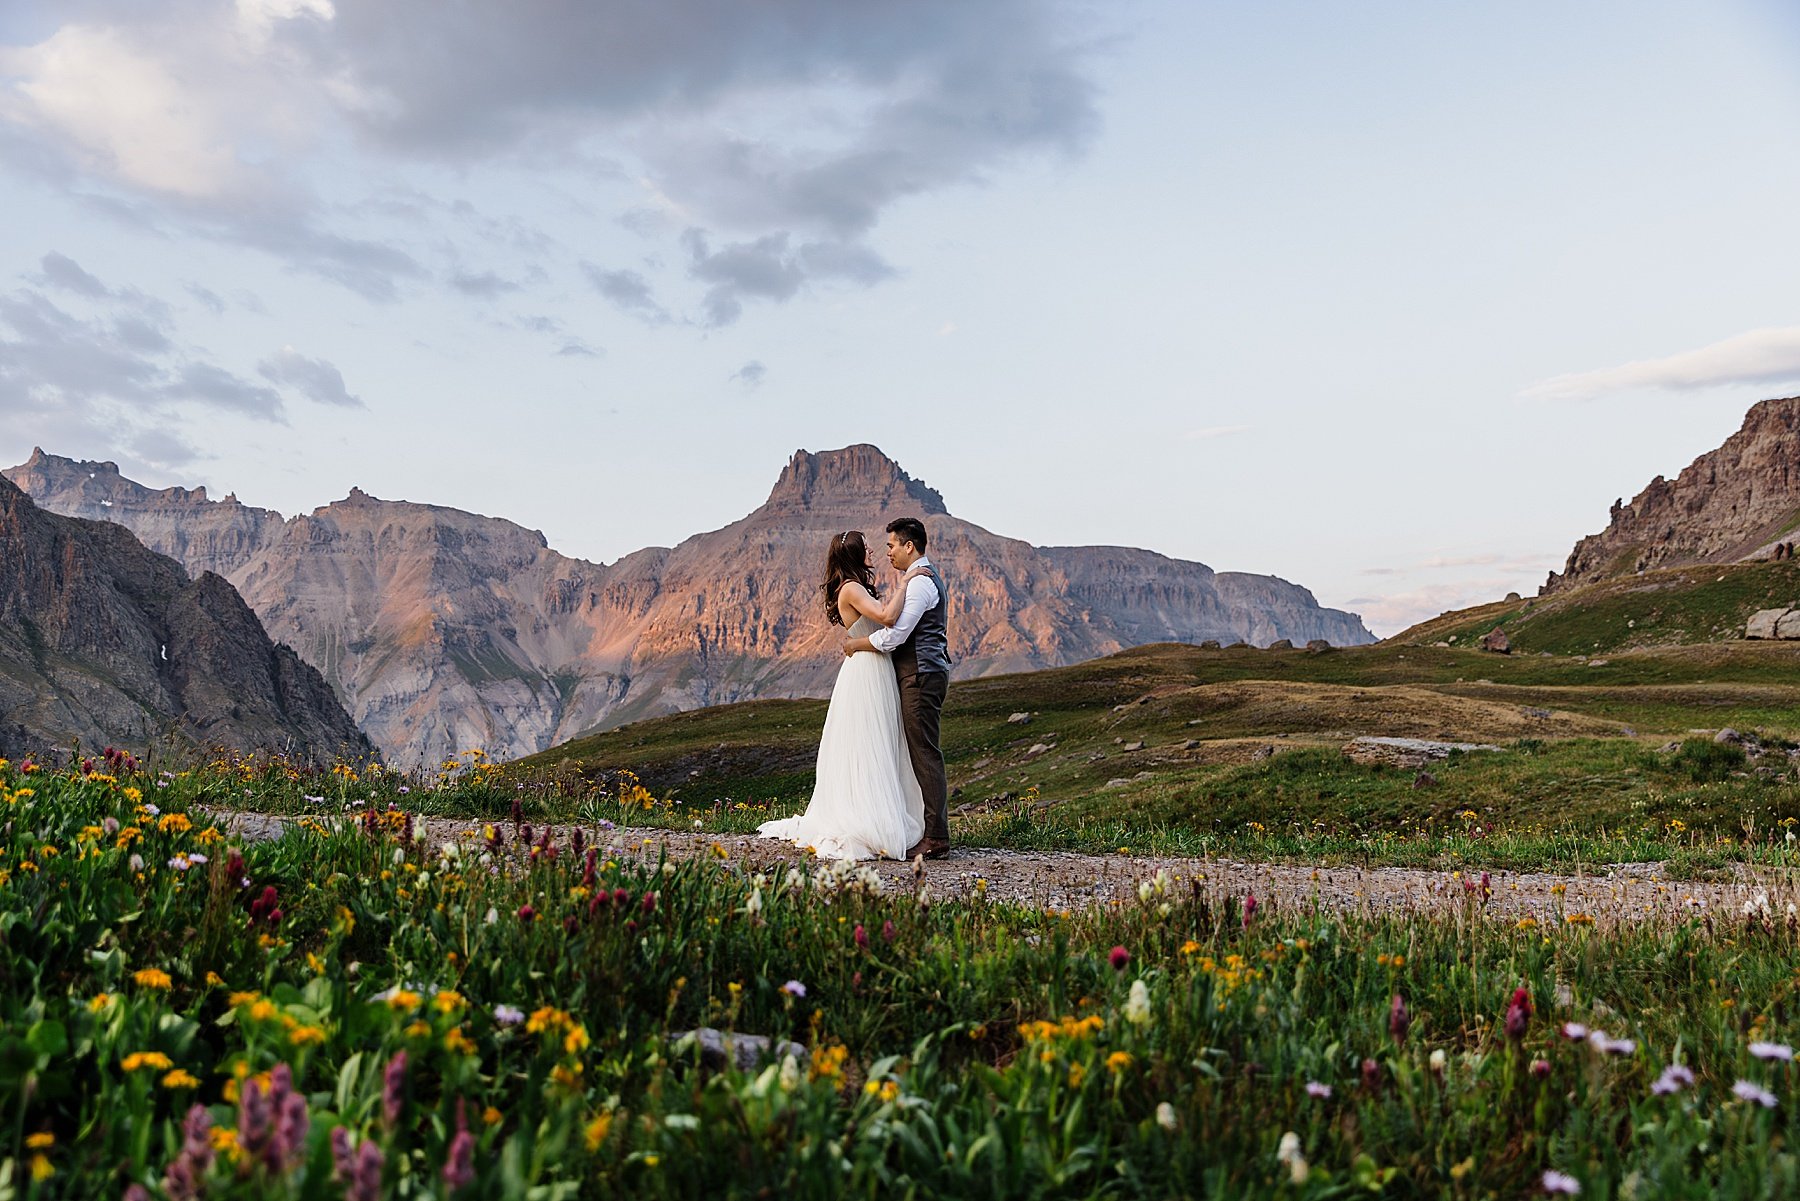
(352, 1011)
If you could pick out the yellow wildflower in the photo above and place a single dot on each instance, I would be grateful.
(138, 1060)
(596, 1131)
(305, 1036)
(403, 1000)
(1118, 1061)
(100, 1001)
(43, 1140)
(214, 980)
(174, 823)
(448, 1001)
(458, 1043)
(40, 1167)
(153, 978)
(180, 1079)
(491, 1116)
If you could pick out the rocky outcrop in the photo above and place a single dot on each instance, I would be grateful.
(103, 641)
(1783, 624)
(442, 629)
(1741, 501)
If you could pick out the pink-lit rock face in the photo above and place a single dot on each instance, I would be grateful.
(1738, 502)
(442, 629)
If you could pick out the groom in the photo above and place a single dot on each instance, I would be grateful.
(919, 646)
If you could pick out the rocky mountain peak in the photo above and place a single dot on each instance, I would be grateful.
(1737, 502)
(856, 480)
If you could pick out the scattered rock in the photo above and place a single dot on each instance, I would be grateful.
(1190, 744)
(1532, 711)
(1598, 662)
(1211, 644)
(1729, 737)
(1281, 644)
(1038, 748)
(1239, 645)
(1261, 753)
(1670, 747)
(1441, 645)
(1317, 645)
(1018, 719)
(1774, 623)
(1511, 597)
(720, 1049)
(1495, 640)
(1424, 780)
(1116, 782)
(1133, 746)
(1412, 753)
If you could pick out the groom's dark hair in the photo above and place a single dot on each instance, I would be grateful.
(908, 529)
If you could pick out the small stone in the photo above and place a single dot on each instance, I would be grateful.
(1211, 644)
(1532, 711)
(1190, 744)
(1261, 753)
(1424, 780)
(1281, 644)
(1117, 782)
(1133, 746)
(1018, 719)
(1729, 737)
(1038, 748)
(719, 1048)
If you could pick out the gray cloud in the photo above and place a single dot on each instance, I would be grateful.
(751, 374)
(63, 272)
(207, 297)
(112, 378)
(576, 348)
(836, 111)
(766, 269)
(483, 284)
(628, 290)
(315, 379)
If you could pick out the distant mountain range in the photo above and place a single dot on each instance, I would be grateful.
(104, 641)
(1738, 502)
(442, 630)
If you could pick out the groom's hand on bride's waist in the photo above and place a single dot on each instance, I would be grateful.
(852, 645)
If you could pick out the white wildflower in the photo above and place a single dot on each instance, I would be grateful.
(790, 1074)
(1137, 1005)
(1289, 1154)
(754, 904)
(1772, 1051)
(1561, 1182)
(1165, 1116)
(492, 916)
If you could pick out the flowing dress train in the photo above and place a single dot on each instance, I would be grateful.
(866, 802)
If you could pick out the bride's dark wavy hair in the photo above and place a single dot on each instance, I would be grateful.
(848, 559)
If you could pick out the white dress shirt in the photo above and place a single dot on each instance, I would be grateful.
(921, 597)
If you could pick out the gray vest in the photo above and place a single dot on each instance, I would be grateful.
(928, 647)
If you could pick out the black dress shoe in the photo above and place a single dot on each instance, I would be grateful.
(929, 848)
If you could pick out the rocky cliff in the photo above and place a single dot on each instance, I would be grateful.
(1738, 502)
(103, 641)
(442, 629)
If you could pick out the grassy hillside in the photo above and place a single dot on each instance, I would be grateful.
(1186, 749)
(1679, 606)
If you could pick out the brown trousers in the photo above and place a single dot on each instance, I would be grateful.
(921, 706)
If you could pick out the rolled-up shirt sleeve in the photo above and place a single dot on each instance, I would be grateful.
(921, 595)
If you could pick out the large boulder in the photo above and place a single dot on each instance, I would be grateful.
(1495, 640)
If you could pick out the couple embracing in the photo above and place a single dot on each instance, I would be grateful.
(880, 789)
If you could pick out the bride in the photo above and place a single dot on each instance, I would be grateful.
(866, 802)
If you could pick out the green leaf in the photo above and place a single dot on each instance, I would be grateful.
(47, 1038)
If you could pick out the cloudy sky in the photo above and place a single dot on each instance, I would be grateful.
(1390, 299)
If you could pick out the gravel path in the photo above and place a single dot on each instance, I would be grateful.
(1061, 880)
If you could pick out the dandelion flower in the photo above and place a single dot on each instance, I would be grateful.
(153, 978)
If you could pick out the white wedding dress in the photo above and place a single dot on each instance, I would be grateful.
(866, 802)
